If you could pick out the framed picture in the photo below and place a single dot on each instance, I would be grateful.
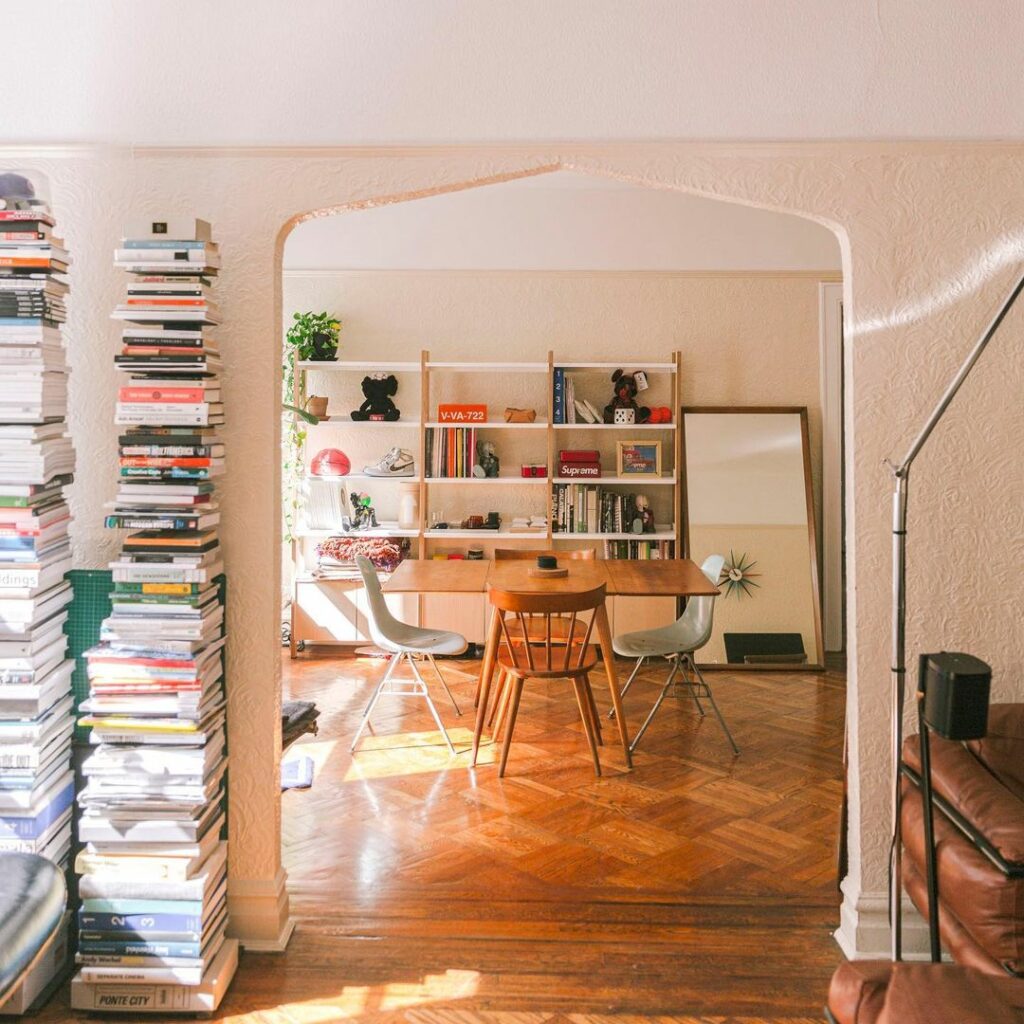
(638, 458)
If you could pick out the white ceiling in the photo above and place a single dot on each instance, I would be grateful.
(562, 221)
(407, 71)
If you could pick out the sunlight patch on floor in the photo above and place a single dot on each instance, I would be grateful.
(358, 1000)
(413, 753)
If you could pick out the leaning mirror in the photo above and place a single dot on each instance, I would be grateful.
(747, 496)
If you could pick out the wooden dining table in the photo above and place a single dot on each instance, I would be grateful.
(675, 577)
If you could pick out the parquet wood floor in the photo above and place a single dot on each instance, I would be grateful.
(696, 889)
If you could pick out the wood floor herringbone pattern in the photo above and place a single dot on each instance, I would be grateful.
(697, 888)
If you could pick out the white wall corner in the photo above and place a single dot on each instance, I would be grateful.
(863, 932)
(258, 913)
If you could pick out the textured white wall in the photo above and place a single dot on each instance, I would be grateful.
(412, 71)
(563, 221)
(931, 235)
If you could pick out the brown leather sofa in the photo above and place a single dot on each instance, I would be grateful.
(981, 885)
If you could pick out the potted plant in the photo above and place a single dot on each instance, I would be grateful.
(314, 336)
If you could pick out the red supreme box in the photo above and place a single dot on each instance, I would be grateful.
(580, 455)
(452, 413)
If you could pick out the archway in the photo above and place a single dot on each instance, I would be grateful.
(394, 199)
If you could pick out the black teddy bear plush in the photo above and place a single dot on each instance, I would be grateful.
(625, 398)
(378, 405)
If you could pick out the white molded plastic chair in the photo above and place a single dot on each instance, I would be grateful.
(404, 641)
(678, 642)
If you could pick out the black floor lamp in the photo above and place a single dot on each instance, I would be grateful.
(901, 475)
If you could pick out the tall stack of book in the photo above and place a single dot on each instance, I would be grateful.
(154, 866)
(36, 463)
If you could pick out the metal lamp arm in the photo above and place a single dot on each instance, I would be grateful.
(901, 479)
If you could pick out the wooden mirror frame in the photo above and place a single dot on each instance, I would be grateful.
(818, 664)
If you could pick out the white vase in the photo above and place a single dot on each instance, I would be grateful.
(409, 506)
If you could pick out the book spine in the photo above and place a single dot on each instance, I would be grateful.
(139, 923)
(559, 388)
(168, 395)
(88, 947)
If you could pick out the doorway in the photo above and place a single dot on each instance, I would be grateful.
(398, 833)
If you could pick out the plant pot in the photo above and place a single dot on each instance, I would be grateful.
(317, 406)
(324, 347)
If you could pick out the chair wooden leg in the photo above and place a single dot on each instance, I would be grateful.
(486, 671)
(594, 716)
(500, 691)
(516, 683)
(506, 702)
(580, 686)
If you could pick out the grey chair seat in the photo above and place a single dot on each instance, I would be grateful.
(32, 901)
(419, 640)
(651, 643)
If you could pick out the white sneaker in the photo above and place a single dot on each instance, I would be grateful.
(397, 462)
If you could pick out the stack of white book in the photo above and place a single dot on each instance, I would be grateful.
(153, 917)
(36, 463)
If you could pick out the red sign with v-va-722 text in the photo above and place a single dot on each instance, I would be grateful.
(462, 413)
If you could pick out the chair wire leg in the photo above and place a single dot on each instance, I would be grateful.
(714, 707)
(437, 672)
(392, 663)
(657, 704)
(430, 706)
(629, 682)
(684, 660)
(385, 679)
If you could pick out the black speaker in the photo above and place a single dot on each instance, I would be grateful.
(956, 690)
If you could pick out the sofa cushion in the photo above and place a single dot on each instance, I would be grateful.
(955, 937)
(857, 991)
(989, 905)
(945, 994)
(32, 899)
(1002, 748)
(959, 777)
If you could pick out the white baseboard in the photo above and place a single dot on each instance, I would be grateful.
(864, 933)
(258, 913)
(277, 945)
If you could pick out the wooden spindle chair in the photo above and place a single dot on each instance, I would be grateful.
(536, 629)
(571, 656)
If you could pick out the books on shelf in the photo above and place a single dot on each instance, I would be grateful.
(37, 461)
(590, 508)
(152, 811)
(451, 452)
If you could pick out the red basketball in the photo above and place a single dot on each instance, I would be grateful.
(330, 462)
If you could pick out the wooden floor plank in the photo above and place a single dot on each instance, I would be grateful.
(697, 888)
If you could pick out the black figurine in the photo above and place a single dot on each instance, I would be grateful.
(378, 405)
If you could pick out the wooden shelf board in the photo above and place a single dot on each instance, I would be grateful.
(358, 365)
(517, 480)
(381, 532)
(347, 421)
(666, 479)
(489, 425)
(470, 367)
(647, 367)
(485, 535)
(620, 427)
(365, 477)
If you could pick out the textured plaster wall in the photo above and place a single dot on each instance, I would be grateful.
(930, 236)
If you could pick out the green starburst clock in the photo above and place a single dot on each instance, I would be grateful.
(737, 577)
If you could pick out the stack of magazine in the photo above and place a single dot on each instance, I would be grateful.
(153, 867)
(36, 463)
